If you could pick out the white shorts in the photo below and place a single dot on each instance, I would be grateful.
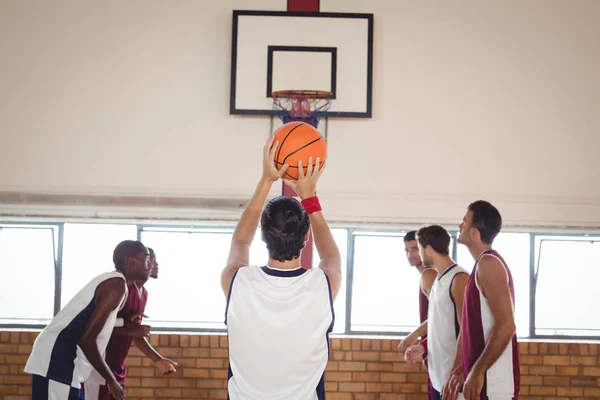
(96, 391)
(47, 389)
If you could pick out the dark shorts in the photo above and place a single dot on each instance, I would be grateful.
(47, 389)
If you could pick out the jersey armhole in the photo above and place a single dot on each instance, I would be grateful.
(229, 294)
(456, 322)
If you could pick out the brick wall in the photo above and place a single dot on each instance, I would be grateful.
(360, 369)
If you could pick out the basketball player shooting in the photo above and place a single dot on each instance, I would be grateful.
(122, 338)
(72, 344)
(279, 316)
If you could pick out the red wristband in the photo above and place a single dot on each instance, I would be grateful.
(311, 204)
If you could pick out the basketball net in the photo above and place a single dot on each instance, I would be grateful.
(301, 105)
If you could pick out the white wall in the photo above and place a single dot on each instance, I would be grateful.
(496, 100)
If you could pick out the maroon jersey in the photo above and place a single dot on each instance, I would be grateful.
(503, 378)
(118, 346)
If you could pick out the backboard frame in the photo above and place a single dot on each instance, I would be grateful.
(234, 110)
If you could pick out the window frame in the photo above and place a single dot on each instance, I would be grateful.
(533, 271)
(352, 230)
(57, 244)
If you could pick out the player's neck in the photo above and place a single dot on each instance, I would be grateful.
(140, 284)
(421, 268)
(477, 249)
(441, 263)
(294, 264)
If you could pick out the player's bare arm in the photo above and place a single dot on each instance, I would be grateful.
(165, 365)
(413, 337)
(457, 290)
(239, 252)
(427, 279)
(108, 297)
(493, 281)
(132, 328)
(305, 187)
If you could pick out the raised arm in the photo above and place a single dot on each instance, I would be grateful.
(305, 187)
(239, 252)
(493, 281)
(109, 295)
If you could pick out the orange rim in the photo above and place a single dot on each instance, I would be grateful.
(298, 94)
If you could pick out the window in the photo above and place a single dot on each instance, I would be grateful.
(87, 252)
(385, 288)
(566, 297)
(27, 258)
(339, 306)
(187, 293)
(515, 249)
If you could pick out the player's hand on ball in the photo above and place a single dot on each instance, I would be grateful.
(270, 171)
(306, 185)
(166, 366)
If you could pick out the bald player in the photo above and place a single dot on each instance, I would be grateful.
(279, 315)
(130, 331)
(427, 277)
(67, 350)
(487, 357)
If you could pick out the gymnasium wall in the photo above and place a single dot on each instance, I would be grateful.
(360, 369)
(494, 100)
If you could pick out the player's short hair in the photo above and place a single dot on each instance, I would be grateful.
(126, 249)
(284, 224)
(435, 236)
(151, 251)
(410, 236)
(487, 219)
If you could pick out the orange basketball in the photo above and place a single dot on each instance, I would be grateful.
(297, 142)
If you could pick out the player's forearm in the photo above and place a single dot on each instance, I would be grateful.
(500, 336)
(421, 330)
(458, 355)
(324, 242)
(248, 223)
(146, 348)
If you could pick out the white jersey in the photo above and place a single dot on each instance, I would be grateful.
(278, 324)
(56, 354)
(442, 328)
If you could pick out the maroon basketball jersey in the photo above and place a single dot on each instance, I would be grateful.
(118, 346)
(503, 378)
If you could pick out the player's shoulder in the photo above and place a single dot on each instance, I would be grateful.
(490, 260)
(429, 273)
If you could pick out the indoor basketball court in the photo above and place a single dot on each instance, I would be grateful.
(147, 122)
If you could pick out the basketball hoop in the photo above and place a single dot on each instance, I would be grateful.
(301, 105)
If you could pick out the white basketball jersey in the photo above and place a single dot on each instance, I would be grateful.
(56, 354)
(278, 324)
(442, 328)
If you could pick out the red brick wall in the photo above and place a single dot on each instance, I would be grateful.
(360, 369)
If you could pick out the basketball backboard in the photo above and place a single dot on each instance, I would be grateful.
(279, 50)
